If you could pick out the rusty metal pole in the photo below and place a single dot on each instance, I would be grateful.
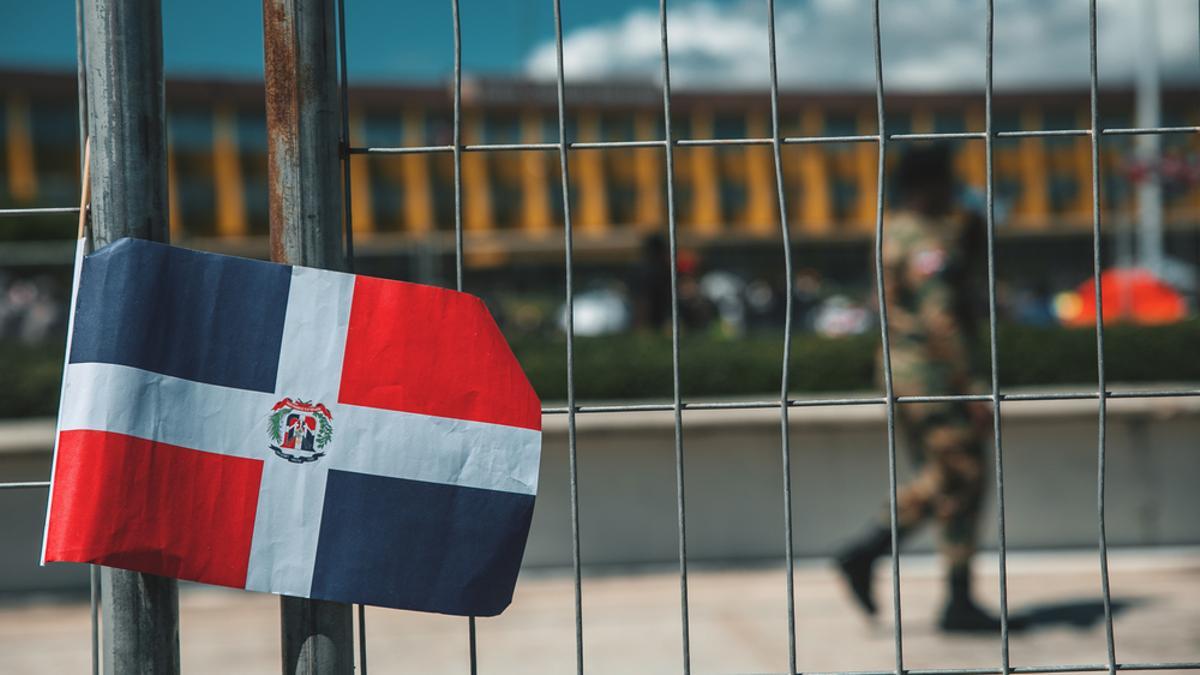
(126, 122)
(305, 213)
(300, 52)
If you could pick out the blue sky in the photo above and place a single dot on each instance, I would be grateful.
(928, 44)
(225, 36)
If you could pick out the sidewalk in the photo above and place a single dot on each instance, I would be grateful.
(738, 622)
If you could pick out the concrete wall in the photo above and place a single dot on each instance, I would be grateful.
(839, 480)
(734, 484)
(24, 456)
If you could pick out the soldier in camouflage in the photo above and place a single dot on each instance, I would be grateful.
(925, 270)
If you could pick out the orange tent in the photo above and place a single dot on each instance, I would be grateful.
(1133, 295)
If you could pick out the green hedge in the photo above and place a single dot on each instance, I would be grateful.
(30, 375)
(639, 366)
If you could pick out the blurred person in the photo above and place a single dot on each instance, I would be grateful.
(652, 289)
(839, 316)
(600, 310)
(807, 296)
(695, 310)
(726, 293)
(761, 304)
(1034, 306)
(925, 261)
(29, 312)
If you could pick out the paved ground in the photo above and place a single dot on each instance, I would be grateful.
(737, 623)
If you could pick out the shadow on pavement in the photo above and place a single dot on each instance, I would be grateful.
(1080, 614)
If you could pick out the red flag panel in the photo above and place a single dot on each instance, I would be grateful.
(137, 504)
(432, 351)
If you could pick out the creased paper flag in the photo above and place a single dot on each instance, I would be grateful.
(292, 430)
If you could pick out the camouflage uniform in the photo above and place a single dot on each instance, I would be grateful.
(924, 281)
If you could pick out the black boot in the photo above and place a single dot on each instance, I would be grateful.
(856, 560)
(962, 615)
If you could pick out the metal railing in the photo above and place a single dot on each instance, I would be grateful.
(784, 403)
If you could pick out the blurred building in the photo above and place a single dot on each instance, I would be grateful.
(512, 200)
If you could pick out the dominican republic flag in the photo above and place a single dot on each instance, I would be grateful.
(291, 430)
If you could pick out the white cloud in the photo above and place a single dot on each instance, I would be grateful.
(827, 43)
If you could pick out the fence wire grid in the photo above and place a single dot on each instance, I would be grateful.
(784, 403)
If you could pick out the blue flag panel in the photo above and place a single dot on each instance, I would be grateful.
(206, 318)
(414, 545)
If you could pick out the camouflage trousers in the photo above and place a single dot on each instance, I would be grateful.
(948, 487)
(948, 452)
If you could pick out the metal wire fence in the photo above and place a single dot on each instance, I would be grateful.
(785, 402)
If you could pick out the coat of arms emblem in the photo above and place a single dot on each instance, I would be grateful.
(299, 430)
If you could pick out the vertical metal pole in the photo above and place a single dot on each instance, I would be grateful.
(569, 264)
(317, 637)
(348, 223)
(81, 80)
(676, 387)
(300, 54)
(885, 339)
(458, 201)
(126, 113)
(94, 614)
(1149, 114)
(993, 341)
(85, 176)
(788, 308)
(1101, 377)
(302, 132)
(348, 229)
(472, 642)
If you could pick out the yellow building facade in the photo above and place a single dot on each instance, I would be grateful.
(217, 160)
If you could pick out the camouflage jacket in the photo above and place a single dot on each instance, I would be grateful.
(924, 283)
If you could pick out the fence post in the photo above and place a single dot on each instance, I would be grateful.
(126, 119)
(126, 122)
(305, 214)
